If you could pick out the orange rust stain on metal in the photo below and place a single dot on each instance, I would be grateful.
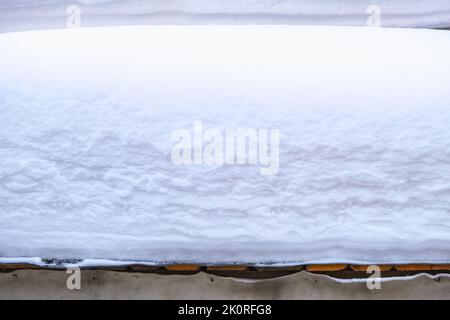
(440, 266)
(363, 268)
(325, 267)
(183, 267)
(281, 268)
(413, 267)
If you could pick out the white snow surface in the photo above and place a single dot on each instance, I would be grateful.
(86, 117)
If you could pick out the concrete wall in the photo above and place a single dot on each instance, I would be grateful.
(97, 284)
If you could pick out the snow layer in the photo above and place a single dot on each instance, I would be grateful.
(86, 117)
(394, 13)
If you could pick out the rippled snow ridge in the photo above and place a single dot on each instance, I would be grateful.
(86, 124)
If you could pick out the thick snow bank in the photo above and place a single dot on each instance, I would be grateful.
(86, 118)
(394, 13)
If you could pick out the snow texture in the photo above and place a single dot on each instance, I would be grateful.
(86, 117)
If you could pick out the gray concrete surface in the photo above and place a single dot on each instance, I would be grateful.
(98, 284)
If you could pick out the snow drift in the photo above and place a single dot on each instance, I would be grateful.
(86, 118)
